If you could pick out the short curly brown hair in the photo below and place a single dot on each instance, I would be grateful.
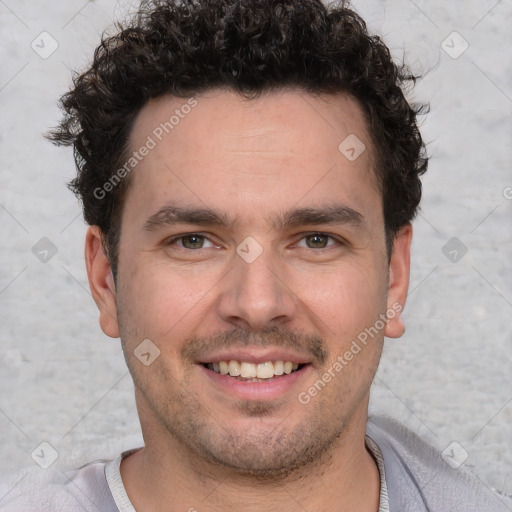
(185, 47)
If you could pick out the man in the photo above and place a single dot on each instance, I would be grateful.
(249, 171)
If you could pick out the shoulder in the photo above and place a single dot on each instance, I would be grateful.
(418, 478)
(83, 489)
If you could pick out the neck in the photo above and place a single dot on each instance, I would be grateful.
(165, 472)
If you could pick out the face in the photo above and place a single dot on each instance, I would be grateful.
(250, 243)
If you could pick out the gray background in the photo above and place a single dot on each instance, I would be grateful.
(449, 378)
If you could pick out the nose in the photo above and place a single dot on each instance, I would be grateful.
(255, 295)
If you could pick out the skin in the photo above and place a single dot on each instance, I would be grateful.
(251, 160)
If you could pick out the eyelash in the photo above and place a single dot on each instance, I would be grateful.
(172, 240)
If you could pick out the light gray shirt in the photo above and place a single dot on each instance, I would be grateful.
(413, 476)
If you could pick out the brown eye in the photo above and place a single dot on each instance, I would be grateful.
(192, 241)
(317, 241)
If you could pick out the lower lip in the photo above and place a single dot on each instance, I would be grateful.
(264, 390)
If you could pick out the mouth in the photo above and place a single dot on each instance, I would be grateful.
(246, 371)
(256, 373)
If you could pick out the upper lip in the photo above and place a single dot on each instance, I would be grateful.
(255, 356)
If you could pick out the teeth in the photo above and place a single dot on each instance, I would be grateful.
(279, 367)
(252, 371)
(234, 368)
(288, 367)
(224, 367)
(248, 370)
(265, 370)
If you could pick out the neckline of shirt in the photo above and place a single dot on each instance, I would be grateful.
(123, 503)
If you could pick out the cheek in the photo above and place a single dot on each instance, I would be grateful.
(161, 302)
(347, 298)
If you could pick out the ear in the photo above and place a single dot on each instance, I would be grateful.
(399, 268)
(101, 281)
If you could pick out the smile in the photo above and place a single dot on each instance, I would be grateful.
(243, 370)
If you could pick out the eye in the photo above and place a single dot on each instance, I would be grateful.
(316, 241)
(190, 241)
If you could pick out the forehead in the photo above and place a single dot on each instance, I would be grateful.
(244, 124)
(223, 150)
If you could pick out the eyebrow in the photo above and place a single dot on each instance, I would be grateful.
(171, 214)
(330, 214)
